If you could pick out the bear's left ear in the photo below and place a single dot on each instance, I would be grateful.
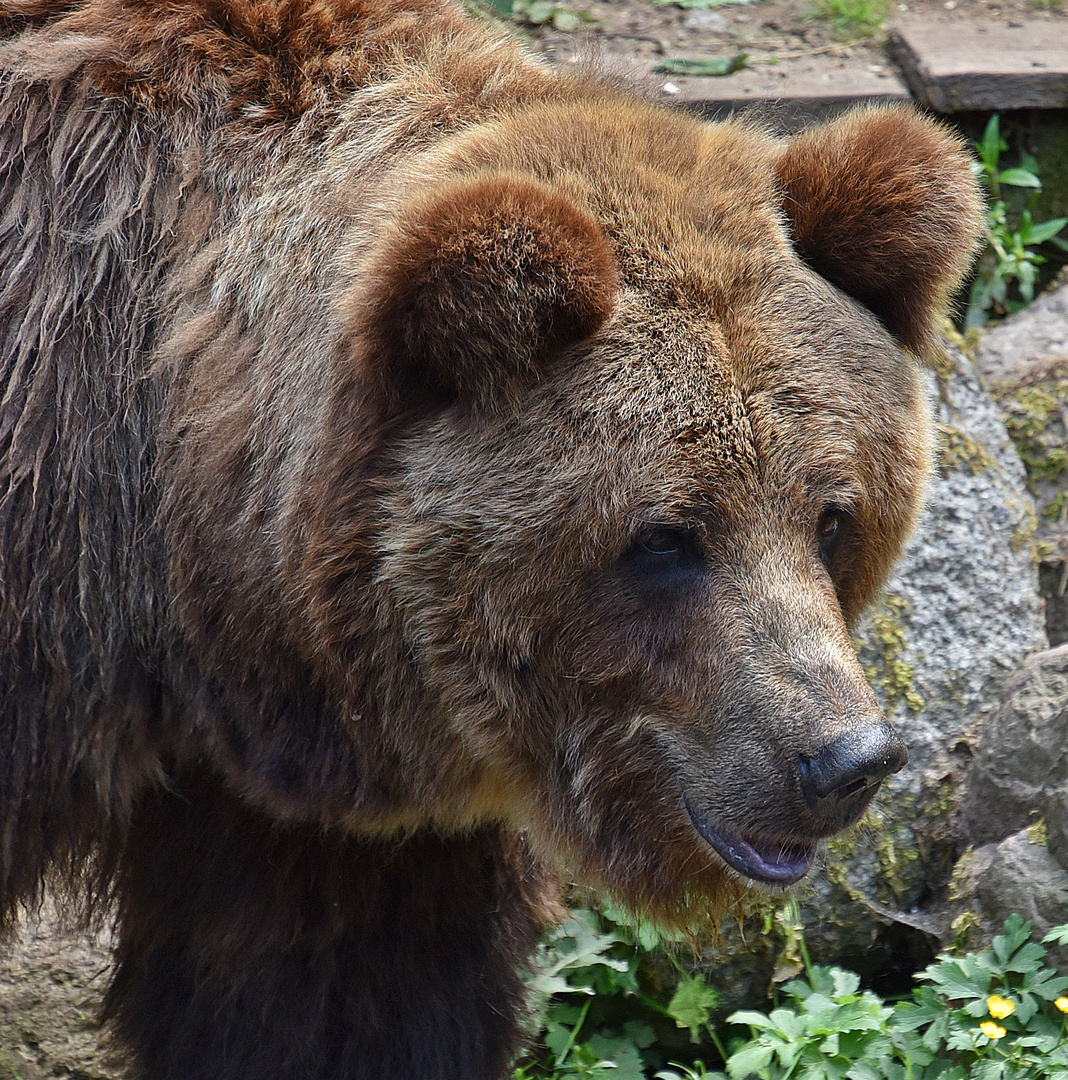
(476, 287)
(882, 203)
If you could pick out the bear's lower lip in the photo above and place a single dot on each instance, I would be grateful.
(770, 861)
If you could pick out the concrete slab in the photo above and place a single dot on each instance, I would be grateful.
(987, 67)
(790, 93)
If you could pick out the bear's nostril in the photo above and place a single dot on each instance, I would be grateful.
(857, 760)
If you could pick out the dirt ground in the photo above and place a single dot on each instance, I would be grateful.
(771, 32)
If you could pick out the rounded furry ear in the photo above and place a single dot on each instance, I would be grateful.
(477, 285)
(882, 203)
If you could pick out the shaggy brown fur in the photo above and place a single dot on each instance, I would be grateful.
(423, 473)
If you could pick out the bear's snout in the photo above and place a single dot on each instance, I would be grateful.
(839, 780)
(855, 760)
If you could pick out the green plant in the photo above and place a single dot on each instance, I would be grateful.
(600, 1011)
(1009, 265)
(8, 1068)
(854, 18)
(999, 1014)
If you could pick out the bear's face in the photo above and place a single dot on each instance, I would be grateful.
(641, 580)
(637, 500)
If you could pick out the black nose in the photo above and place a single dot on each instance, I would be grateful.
(854, 762)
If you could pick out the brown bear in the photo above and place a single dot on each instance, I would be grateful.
(424, 475)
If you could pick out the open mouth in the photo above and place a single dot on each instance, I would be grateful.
(770, 861)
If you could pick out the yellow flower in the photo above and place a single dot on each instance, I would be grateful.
(1062, 1004)
(1000, 1007)
(992, 1030)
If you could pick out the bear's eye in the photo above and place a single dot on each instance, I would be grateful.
(830, 530)
(664, 557)
(660, 550)
(663, 541)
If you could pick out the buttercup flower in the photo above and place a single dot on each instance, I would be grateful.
(1000, 1007)
(992, 1030)
(1062, 1004)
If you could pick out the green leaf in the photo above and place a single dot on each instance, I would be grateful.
(639, 1033)
(937, 1033)
(991, 146)
(712, 65)
(976, 1008)
(1048, 987)
(622, 1054)
(1016, 931)
(548, 985)
(756, 1020)
(954, 983)
(1027, 1007)
(1058, 934)
(1027, 958)
(821, 978)
(1019, 178)
(567, 1014)
(787, 1053)
(865, 1070)
(944, 1070)
(556, 1037)
(966, 1039)
(750, 1059)
(1039, 234)
(845, 982)
(788, 1022)
(927, 1009)
(819, 1003)
(693, 1000)
(990, 1069)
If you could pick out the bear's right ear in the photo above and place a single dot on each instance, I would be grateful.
(476, 286)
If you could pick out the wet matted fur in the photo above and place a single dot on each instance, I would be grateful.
(422, 475)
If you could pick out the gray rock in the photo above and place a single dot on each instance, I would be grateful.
(1022, 753)
(1016, 875)
(52, 979)
(1055, 816)
(1009, 351)
(1025, 363)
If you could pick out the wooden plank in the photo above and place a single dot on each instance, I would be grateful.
(789, 94)
(989, 66)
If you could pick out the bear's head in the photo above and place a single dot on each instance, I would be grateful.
(650, 434)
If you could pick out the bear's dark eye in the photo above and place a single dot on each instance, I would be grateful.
(663, 541)
(830, 531)
(665, 555)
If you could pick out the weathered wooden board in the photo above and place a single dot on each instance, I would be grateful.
(789, 94)
(988, 66)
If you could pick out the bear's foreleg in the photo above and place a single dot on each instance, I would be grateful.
(248, 950)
